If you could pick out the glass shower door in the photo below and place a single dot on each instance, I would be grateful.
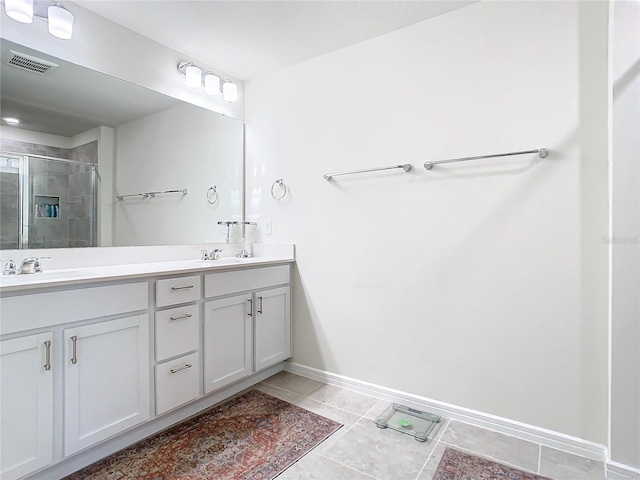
(47, 203)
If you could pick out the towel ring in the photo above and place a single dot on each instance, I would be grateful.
(212, 195)
(280, 184)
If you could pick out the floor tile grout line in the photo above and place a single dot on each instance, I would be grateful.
(290, 391)
(539, 458)
(359, 415)
(437, 440)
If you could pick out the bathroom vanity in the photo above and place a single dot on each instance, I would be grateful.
(96, 358)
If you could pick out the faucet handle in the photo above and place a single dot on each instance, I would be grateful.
(9, 267)
(204, 255)
(37, 267)
(215, 254)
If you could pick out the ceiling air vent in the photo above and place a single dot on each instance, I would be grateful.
(32, 64)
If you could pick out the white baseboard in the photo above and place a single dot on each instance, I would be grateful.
(619, 471)
(548, 438)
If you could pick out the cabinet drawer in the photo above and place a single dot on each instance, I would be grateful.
(177, 331)
(26, 312)
(177, 290)
(223, 283)
(177, 382)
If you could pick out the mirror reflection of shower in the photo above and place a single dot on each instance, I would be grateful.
(47, 202)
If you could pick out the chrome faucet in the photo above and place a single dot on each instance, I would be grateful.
(9, 267)
(30, 265)
(213, 255)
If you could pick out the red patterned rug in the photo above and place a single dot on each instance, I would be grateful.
(457, 465)
(254, 437)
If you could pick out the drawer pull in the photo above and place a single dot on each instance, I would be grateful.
(180, 317)
(260, 305)
(47, 351)
(250, 307)
(176, 370)
(186, 287)
(74, 354)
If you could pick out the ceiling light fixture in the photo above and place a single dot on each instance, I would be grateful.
(211, 82)
(60, 19)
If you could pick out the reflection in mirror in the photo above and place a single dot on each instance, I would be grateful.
(73, 121)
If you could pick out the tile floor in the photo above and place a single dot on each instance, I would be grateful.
(362, 451)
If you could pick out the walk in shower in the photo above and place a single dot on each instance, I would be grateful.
(46, 202)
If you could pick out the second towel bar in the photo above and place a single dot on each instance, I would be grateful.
(543, 152)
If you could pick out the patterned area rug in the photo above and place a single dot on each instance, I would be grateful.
(254, 437)
(457, 465)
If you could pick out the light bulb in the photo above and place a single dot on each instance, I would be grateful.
(229, 92)
(194, 76)
(211, 84)
(11, 120)
(60, 22)
(19, 10)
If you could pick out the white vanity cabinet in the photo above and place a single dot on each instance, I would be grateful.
(106, 368)
(89, 368)
(26, 409)
(249, 327)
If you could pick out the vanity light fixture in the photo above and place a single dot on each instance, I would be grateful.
(60, 22)
(19, 10)
(211, 84)
(60, 19)
(195, 78)
(229, 91)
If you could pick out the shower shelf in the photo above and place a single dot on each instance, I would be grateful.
(46, 206)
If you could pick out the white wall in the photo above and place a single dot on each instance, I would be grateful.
(181, 147)
(625, 237)
(463, 284)
(106, 47)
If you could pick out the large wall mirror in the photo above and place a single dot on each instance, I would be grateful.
(97, 161)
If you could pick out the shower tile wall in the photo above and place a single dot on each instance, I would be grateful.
(17, 146)
(70, 182)
(80, 196)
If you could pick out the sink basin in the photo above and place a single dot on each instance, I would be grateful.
(7, 280)
(219, 262)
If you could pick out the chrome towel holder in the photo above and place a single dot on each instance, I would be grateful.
(283, 189)
(329, 176)
(183, 191)
(542, 152)
(212, 195)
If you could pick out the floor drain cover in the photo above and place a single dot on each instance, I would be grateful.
(408, 421)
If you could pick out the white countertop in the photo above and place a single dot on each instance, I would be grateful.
(84, 275)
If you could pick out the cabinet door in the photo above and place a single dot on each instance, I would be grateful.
(272, 327)
(26, 405)
(227, 341)
(106, 380)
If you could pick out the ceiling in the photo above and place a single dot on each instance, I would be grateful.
(246, 39)
(70, 99)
